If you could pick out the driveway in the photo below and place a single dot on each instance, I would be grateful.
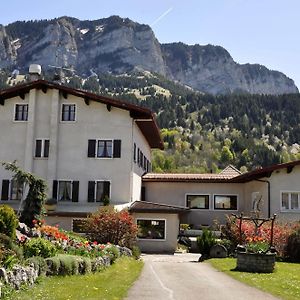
(181, 277)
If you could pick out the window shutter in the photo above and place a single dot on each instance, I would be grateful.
(92, 148)
(106, 189)
(91, 191)
(134, 152)
(75, 191)
(117, 148)
(5, 189)
(54, 189)
(38, 148)
(46, 148)
(143, 193)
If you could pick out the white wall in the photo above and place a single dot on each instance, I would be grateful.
(280, 181)
(69, 145)
(174, 193)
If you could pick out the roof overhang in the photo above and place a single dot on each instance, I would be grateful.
(144, 117)
(265, 172)
(151, 207)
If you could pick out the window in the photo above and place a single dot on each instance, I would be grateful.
(68, 112)
(104, 148)
(42, 148)
(197, 201)
(98, 191)
(11, 190)
(21, 112)
(151, 229)
(66, 190)
(290, 200)
(225, 202)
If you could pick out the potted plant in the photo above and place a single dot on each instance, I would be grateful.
(50, 204)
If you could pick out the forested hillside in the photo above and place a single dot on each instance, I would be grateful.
(204, 133)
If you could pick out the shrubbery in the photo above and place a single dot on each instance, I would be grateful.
(64, 264)
(39, 264)
(8, 221)
(293, 246)
(110, 226)
(206, 241)
(281, 233)
(39, 247)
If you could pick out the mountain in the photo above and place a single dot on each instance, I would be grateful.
(117, 46)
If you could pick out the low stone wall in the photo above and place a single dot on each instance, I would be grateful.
(255, 262)
(19, 275)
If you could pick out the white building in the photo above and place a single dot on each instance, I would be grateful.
(86, 147)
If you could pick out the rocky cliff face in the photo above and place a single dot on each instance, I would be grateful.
(119, 45)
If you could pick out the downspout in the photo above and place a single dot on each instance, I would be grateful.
(269, 197)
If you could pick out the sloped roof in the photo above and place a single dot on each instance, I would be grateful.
(265, 172)
(143, 117)
(145, 206)
(231, 171)
(227, 174)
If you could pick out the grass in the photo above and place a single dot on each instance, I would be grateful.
(283, 283)
(110, 284)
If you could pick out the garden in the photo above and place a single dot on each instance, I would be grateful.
(39, 261)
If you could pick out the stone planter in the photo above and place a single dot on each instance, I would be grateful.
(50, 207)
(255, 262)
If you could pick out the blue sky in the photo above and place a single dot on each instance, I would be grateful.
(254, 31)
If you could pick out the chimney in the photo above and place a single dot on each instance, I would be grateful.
(35, 72)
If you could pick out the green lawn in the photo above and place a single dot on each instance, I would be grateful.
(283, 283)
(110, 284)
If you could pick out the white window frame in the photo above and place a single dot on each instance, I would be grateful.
(42, 149)
(225, 195)
(61, 113)
(95, 189)
(153, 219)
(15, 110)
(289, 210)
(198, 194)
(112, 149)
(64, 201)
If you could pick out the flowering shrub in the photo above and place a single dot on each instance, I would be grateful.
(281, 232)
(110, 226)
(256, 244)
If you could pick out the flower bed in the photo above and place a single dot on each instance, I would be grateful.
(255, 262)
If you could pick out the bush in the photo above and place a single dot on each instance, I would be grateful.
(281, 233)
(53, 264)
(10, 253)
(8, 221)
(39, 264)
(64, 264)
(136, 252)
(293, 247)
(110, 226)
(113, 252)
(68, 265)
(39, 247)
(206, 241)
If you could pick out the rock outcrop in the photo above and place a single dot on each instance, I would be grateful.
(117, 45)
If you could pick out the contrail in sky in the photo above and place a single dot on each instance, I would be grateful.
(162, 16)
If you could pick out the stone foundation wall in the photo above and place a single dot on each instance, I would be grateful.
(255, 262)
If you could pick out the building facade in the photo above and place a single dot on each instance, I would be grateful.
(88, 148)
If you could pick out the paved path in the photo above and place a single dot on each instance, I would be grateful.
(181, 277)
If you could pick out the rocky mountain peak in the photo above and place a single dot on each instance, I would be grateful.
(117, 45)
